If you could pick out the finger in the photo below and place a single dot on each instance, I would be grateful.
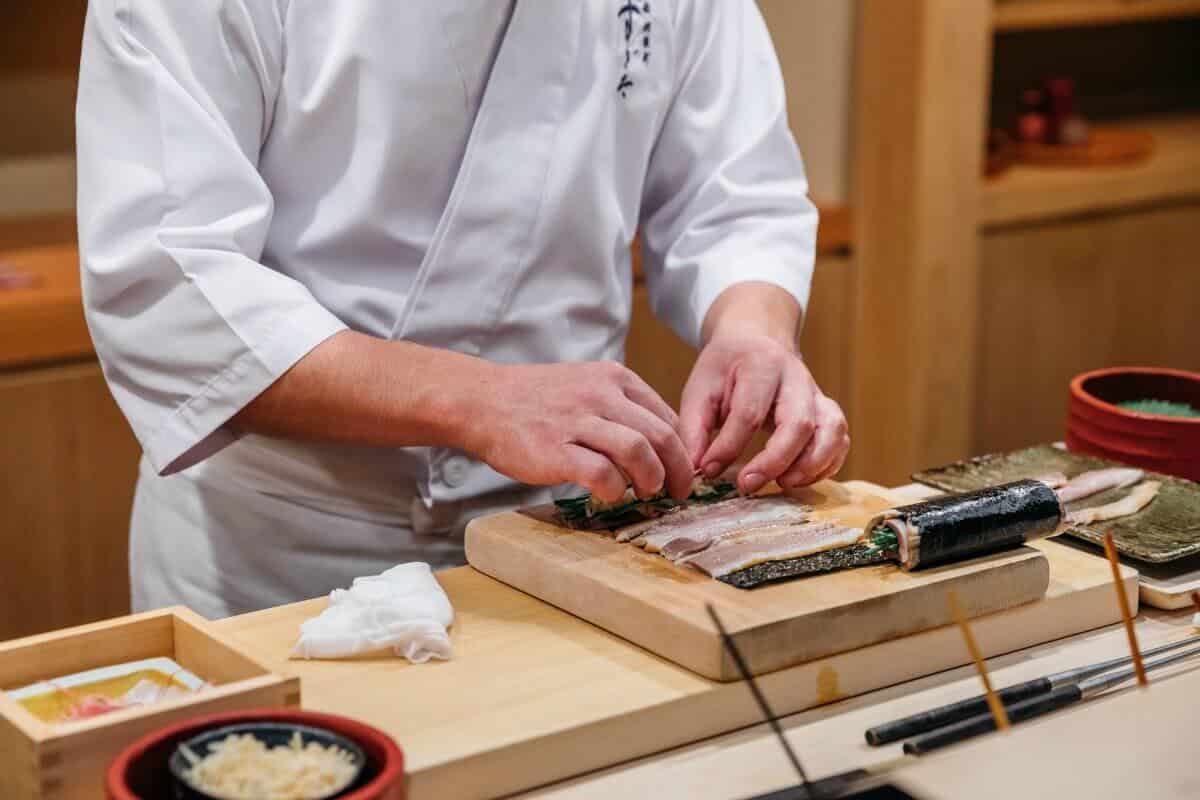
(699, 411)
(750, 401)
(666, 443)
(594, 472)
(641, 393)
(828, 443)
(795, 414)
(781, 451)
(838, 462)
(629, 450)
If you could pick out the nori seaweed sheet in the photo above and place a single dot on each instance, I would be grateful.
(962, 526)
(856, 555)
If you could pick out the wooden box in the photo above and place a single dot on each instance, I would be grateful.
(39, 761)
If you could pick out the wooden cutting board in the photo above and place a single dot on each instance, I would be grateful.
(647, 600)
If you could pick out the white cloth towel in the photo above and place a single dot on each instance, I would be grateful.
(404, 608)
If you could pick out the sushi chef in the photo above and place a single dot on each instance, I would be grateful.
(358, 272)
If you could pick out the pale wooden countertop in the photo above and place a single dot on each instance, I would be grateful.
(463, 747)
(829, 739)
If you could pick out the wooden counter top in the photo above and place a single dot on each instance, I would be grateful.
(534, 695)
(829, 740)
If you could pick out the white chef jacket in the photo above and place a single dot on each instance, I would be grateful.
(258, 175)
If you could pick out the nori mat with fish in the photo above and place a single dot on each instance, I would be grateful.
(1165, 530)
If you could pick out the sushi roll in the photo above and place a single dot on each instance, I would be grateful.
(962, 526)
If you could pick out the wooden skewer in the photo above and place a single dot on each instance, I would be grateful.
(1110, 550)
(997, 707)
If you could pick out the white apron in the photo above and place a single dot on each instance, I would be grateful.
(257, 176)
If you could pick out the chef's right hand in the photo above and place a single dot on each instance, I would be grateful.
(586, 423)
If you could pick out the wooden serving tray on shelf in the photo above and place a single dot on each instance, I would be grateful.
(646, 599)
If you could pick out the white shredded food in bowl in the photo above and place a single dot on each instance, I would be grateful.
(242, 767)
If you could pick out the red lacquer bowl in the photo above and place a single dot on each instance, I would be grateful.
(1095, 425)
(140, 771)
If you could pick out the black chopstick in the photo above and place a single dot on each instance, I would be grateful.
(731, 646)
(1057, 698)
(926, 721)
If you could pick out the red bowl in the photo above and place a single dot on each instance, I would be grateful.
(1095, 425)
(140, 771)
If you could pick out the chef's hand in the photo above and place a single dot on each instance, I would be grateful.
(749, 376)
(587, 423)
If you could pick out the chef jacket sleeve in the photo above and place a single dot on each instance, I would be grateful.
(725, 199)
(175, 100)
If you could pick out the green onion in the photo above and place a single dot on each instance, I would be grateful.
(883, 537)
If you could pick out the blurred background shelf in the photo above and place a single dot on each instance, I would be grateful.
(1029, 193)
(1016, 15)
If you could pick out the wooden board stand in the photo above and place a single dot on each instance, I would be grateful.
(648, 600)
(39, 761)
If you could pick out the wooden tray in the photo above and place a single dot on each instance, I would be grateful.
(648, 600)
(1166, 530)
(67, 761)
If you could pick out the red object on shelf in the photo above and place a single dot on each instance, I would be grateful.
(1065, 126)
(1032, 124)
(1099, 427)
(140, 771)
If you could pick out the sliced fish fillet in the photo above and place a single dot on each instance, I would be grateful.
(1098, 480)
(800, 541)
(1137, 499)
(1051, 479)
(681, 547)
(630, 532)
(723, 518)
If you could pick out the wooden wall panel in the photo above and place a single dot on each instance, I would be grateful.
(1112, 290)
(67, 471)
(921, 88)
(40, 36)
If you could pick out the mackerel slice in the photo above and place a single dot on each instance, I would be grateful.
(800, 541)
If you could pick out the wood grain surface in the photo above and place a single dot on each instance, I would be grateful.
(829, 739)
(1137, 744)
(535, 695)
(1029, 193)
(67, 469)
(44, 323)
(646, 599)
(920, 121)
(1083, 294)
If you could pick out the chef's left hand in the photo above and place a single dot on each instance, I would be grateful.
(749, 376)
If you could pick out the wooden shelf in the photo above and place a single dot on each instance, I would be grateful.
(1017, 15)
(44, 324)
(1027, 193)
